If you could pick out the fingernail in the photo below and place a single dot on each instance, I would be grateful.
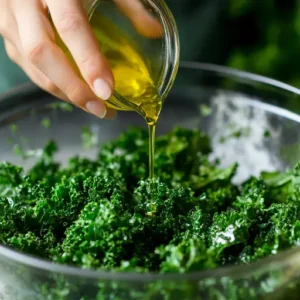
(97, 109)
(102, 89)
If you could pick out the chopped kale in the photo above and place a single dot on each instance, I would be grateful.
(46, 123)
(89, 138)
(106, 214)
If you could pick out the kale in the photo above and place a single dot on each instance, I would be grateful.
(106, 214)
(10, 177)
(98, 238)
(188, 255)
(275, 232)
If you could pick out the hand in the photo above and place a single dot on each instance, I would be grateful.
(30, 42)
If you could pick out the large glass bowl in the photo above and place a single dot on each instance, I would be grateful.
(251, 119)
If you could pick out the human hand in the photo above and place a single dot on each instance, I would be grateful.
(30, 42)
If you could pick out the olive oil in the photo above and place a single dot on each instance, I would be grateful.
(134, 82)
(140, 77)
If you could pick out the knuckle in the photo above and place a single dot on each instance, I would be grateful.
(2, 29)
(69, 22)
(50, 87)
(75, 94)
(90, 65)
(11, 52)
(36, 53)
(5, 24)
(88, 62)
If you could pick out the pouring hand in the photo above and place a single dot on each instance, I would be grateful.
(30, 42)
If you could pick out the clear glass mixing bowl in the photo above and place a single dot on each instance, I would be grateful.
(263, 117)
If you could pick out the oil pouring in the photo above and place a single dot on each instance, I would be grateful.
(140, 41)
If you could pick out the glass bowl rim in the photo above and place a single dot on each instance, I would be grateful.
(281, 259)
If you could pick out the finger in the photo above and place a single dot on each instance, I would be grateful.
(43, 82)
(12, 51)
(33, 73)
(8, 26)
(37, 40)
(144, 22)
(71, 20)
(111, 113)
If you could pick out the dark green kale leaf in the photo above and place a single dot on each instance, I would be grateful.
(188, 255)
(196, 224)
(229, 234)
(218, 199)
(209, 175)
(31, 243)
(46, 167)
(284, 185)
(157, 217)
(10, 178)
(127, 156)
(253, 196)
(98, 238)
(277, 231)
(182, 147)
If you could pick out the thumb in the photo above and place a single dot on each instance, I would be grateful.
(144, 22)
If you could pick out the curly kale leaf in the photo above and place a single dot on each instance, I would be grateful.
(229, 234)
(159, 208)
(218, 199)
(212, 176)
(284, 185)
(277, 231)
(196, 224)
(254, 197)
(186, 256)
(31, 243)
(10, 178)
(182, 147)
(98, 238)
(127, 156)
